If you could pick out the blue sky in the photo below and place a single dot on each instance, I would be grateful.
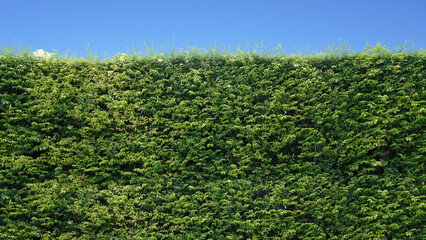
(113, 26)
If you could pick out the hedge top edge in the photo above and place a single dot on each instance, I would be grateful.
(331, 52)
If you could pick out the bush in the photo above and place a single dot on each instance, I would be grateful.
(210, 145)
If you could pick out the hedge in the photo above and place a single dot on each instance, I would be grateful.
(214, 146)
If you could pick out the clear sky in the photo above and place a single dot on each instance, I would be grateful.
(113, 26)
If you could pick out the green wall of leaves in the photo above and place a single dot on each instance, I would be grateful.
(211, 146)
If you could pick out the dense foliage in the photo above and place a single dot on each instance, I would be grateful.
(199, 146)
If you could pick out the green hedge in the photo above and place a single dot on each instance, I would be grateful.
(211, 146)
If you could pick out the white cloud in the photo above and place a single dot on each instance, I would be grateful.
(40, 53)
